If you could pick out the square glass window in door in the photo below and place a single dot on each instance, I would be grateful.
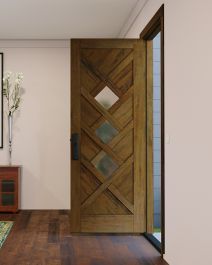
(106, 132)
(104, 164)
(106, 98)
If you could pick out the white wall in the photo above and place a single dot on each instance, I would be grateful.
(188, 109)
(42, 126)
(41, 133)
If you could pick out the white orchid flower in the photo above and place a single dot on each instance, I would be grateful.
(12, 93)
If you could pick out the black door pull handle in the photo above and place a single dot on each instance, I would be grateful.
(75, 146)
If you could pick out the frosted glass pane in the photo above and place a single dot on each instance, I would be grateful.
(106, 132)
(106, 98)
(104, 164)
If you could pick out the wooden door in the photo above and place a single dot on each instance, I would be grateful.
(108, 117)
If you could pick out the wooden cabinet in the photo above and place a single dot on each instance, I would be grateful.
(9, 188)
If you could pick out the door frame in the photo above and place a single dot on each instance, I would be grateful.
(156, 25)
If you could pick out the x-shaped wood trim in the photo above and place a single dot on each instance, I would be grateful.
(128, 59)
(121, 134)
(102, 145)
(107, 115)
(111, 188)
(101, 109)
(102, 77)
(114, 107)
(106, 183)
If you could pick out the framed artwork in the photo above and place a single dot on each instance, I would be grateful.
(1, 100)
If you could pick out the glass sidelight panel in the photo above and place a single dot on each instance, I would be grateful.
(153, 36)
(157, 136)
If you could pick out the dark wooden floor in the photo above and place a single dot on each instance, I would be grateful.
(43, 238)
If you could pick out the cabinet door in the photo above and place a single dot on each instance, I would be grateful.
(9, 179)
(8, 185)
(8, 199)
(8, 191)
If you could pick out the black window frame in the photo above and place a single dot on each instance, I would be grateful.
(155, 26)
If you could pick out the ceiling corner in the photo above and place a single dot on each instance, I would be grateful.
(136, 10)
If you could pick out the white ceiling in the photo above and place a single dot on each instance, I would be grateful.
(63, 19)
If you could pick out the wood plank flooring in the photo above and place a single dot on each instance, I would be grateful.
(43, 238)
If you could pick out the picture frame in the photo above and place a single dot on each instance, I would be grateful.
(1, 99)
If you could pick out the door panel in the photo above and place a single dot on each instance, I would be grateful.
(109, 114)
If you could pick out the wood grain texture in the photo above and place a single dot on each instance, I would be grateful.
(107, 43)
(43, 238)
(108, 188)
(10, 173)
(102, 145)
(75, 128)
(150, 191)
(108, 223)
(140, 137)
(124, 114)
(114, 107)
(113, 75)
(109, 73)
(111, 187)
(106, 183)
(104, 78)
(125, 146)
(101, 109)
(122, 134)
